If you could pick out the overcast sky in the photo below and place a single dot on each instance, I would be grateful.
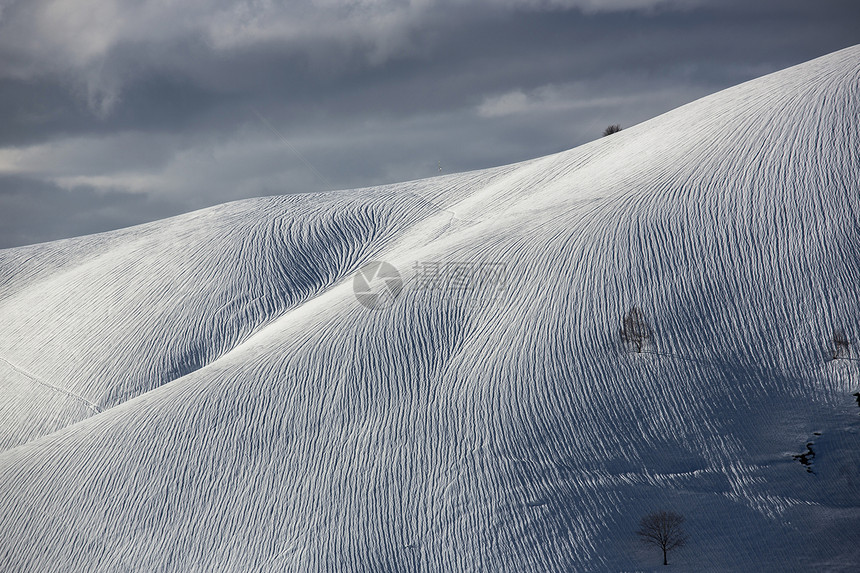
(116, 112)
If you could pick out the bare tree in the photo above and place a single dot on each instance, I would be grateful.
(614, 128)
(634, 328)
(840, 345)
(664, 530)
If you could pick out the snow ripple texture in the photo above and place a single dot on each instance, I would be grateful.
(205, 393)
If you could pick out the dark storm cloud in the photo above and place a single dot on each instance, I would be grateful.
(122, 97)
(186, 83)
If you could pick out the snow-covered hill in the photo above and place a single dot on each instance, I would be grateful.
(207, 393)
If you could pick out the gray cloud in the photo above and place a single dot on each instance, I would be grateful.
(33, 211)
(103, 100)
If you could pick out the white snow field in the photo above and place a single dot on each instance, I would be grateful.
(205, 393)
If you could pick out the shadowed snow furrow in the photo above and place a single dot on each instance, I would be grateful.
(259, 419)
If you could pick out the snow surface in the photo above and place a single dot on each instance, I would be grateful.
(205, 393)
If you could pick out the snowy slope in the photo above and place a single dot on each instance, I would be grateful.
(205, 393)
